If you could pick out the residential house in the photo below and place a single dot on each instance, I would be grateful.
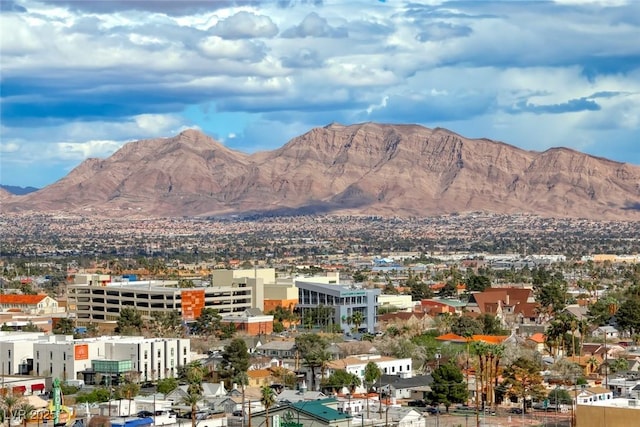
(397, 387)
(402, 319)
(622, 386)
(210, 391)
(302, 395)
(400, 416)
(279, 349)
(320, 413)
(29, 304)
(607, 332)
(356, 364)
(537, 341)
(260, 377)
(434, 308)
(512, 306)
(591, 395)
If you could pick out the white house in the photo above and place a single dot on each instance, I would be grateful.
(356, 364)
(605, 332)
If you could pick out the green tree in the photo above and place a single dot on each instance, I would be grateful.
(194, 373)
(166, 324)
(357, 318)
(235, 359)
(167, 385)
(208, 323)
(628, 316)
(522, 379)
(313, 350)
(464, 324)
(477, 283)
(268, 399)
(491, 325)
(421, 291)
(372, 373)
(30, 327)
(127, 390)
(359, 277)
(97, 395)
(341, 378)
(552, 296)
(559, 396)
(448, 386)
(618, 365)
(599, 312)
(64, 326)
(27, 411)
(9, 403)
(130, 322)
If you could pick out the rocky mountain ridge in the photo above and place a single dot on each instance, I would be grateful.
(369, 168)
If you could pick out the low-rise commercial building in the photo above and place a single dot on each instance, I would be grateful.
(342, 302)
(91, 359)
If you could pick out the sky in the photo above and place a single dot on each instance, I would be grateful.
(81, 78)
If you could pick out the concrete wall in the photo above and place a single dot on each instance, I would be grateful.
(604, 416)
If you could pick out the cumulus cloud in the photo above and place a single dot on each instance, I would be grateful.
(313, 25)
(79, 78)
(245, 25)
(441, 31)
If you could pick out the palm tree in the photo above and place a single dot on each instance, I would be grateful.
(194, 372)
(9, 403)
(358, 319)
(323, 359)
(593, 364)
(243, 379)
(192, 399)
(28, 411)
(268, 398)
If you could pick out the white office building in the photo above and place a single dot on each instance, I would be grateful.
(61, 356)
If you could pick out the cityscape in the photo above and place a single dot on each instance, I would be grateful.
(468, 319)
(319, 213)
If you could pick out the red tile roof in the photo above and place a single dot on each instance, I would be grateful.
(21, 299)
(537, 337)
(491, 339)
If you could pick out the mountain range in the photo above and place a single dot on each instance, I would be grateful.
(363, 169)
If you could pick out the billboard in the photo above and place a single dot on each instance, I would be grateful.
(81, 352)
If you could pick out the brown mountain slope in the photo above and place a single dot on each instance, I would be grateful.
(360, 169)
(165, 176)
(4, 194)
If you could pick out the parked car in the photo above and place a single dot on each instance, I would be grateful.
(432, 410)
(515, 410)
(418, 402)
(144, 414)
(237, 413)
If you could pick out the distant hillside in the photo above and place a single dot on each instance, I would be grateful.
(18, 191)
(369, 168)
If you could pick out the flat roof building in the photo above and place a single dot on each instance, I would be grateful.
(340, 303)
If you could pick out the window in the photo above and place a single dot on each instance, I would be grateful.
(146, 355)
(51, 355)
(9, 353)
(172, 351)
(184, 351)
(159, 354)
(64, 355)
(37, 355)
